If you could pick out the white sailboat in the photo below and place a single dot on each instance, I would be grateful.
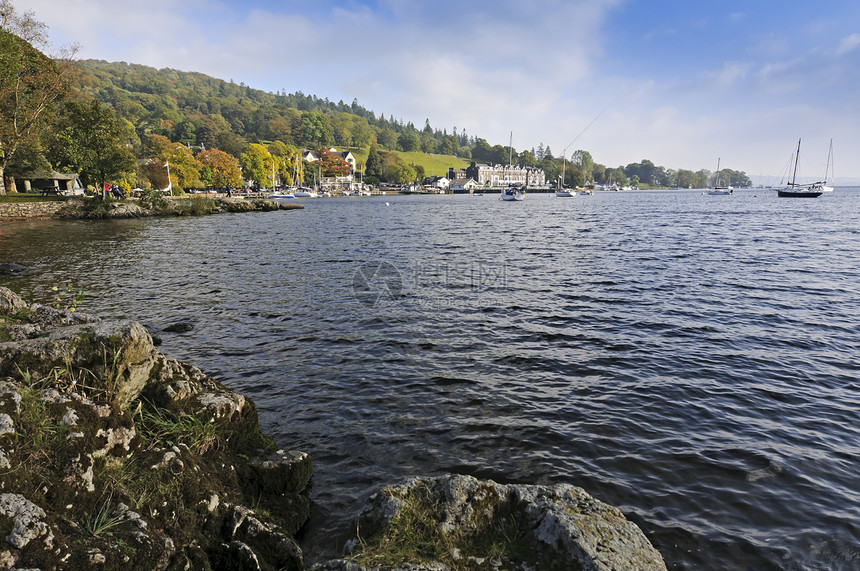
(814, 190)
(512, 192)
(301, 191)
(564, 192)
(717, 188)
(275, 194)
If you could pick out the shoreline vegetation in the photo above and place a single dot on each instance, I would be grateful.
(115, 456)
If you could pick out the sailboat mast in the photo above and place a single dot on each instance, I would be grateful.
(796, 159)
(829, 158)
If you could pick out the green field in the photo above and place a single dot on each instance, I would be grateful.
(434, 165)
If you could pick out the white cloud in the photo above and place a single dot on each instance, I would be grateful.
(730, 74)
(848, 44)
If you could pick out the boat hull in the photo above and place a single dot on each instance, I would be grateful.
(799, 193)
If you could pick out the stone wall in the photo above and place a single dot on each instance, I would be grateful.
(24, 210)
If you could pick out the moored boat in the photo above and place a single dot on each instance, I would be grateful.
(514, 193)
(813, 190)
(717, 189)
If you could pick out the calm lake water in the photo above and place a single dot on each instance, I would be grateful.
(691, 359)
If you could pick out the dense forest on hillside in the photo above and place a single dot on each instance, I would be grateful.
(196, 109)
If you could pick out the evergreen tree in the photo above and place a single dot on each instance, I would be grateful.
(373, 166)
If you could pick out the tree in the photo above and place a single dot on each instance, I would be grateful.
(574, 176)
(647, 172)
(582, 160)
(449, 145)
(396, 170)
(316, 129)
(373, 165)
(482, 151)
(231, 143)
(207, 134)
(184, 168)
(90, 140)
(285, 157)
(552, 170)
(154, 146)
(362, 134)
(30, 82)
(257, 164)
(409, 142)
(527, 159)
(388, 139)
(279, 130)
(184, 132)
(428, 143)
(687, 179)
(617, 176)
(224, 168)
(331, 164)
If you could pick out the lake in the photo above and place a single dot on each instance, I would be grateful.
(691, 359)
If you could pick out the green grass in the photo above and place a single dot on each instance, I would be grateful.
(414, 535)
(101, 519)
(434, 165)
(162, 425)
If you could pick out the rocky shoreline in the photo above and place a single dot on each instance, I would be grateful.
(96, 208)
(114, 456)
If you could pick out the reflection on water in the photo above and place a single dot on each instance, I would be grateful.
(688, 358)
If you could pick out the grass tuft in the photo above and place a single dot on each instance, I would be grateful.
(102, 519)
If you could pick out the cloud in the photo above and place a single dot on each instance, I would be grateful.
(848, 44)
(730, 74)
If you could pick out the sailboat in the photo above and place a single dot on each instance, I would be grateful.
(512, 192)
(301, 191)
(717, 188)
(561, 190)
(284, 193)
(814, 190)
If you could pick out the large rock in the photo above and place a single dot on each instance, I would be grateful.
(118, 354)
(558, 527)
(93, 419)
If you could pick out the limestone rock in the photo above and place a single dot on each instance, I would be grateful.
(281, 472)
(271, 547)
(120, 352)
(127, 210)
(27, 521)
(10, 398)
(10, 302)
(78, 377)
(7, 425)
(565, 527)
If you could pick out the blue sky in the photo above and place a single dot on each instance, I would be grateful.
(680, 83)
